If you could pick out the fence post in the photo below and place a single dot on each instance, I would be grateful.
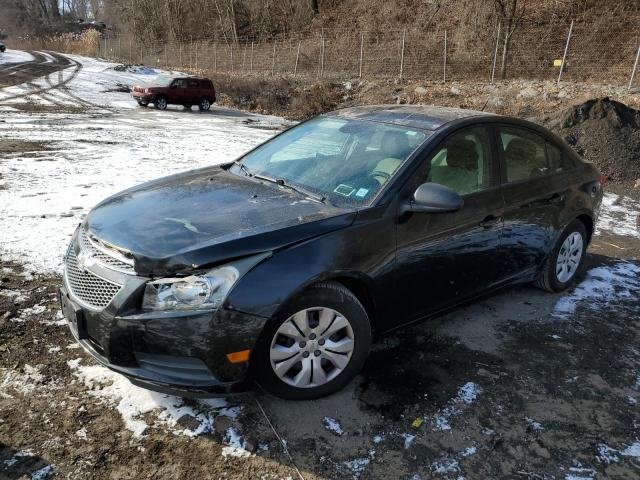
(180, 59)
(141, 54)
(273, 59)
(165, 55)
(215, 57)
(495, 54)
(119, 47)
(251, 59)
(196, 55)
(564, 55)
(444, 68)
(105, 47)
(231, 46)
(635, 66)
(404, 34)
(130, 50)
(244, 58)
(361, 52)
(322, 59)
(295, 68)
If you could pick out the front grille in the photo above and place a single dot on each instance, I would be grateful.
(101, 256)
(92, 290)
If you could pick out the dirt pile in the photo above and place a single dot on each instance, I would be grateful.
(604, 132)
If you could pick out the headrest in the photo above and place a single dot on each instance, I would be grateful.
(462, 153)
(395, 144)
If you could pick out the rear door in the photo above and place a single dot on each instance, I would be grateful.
(443, 258)
(535, 193)
(193, 91)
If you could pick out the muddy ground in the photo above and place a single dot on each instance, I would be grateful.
(510, 386)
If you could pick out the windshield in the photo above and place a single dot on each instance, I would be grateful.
(346, 161)
(162, 81)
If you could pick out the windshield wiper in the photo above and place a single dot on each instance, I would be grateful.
(244, 168)
(281, 182)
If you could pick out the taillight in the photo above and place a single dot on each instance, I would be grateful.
(603, 180)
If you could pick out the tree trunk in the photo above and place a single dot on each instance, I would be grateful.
(54, 8)
(314, 7)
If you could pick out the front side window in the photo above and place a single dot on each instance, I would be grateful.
(347, 161)
(180, 83)
(523, 153)
(463, 163)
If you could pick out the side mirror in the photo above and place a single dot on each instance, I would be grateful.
(434, 198)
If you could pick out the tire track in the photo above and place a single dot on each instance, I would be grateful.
(35, 70)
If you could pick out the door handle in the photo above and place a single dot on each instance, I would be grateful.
(490, 221)
(556, 199)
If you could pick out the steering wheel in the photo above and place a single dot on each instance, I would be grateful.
(377, 174)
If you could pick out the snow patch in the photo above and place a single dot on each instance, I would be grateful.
(133, 402)
(604, 287)
(14, 56)
(619, 215)
(534, 425)
(332, 425)
(408, 439)
(466, 395)
(24, 383)
(236, 444)
(43, 473)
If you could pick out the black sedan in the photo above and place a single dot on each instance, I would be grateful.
(279, 266)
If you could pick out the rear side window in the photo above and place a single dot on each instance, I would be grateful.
(523, 153)
(193, 84)
(559, 161)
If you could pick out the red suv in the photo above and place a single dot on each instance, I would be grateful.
(185, 91)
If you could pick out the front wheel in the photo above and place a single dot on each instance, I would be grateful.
(204, 105)
(316, 346)
(161, 103)
(566, 259)
(143, 104)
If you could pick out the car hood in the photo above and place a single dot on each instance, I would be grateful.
(207, 216)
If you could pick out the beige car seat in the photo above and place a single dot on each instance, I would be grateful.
(395, 147)
(461, 171)
(518, 156)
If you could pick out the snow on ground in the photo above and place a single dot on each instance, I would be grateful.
(14, 56)
(332, 425)
(604, 287)
(134, 402)
(466, 395)
(85, 158)
(619, 215)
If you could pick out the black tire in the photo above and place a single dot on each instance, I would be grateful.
(187, 107)
(204, 105)
(548, 279)
(161, 103)
(329, 295)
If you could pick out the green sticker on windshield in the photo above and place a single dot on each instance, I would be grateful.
(361, 193)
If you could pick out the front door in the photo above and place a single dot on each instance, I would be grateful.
(445, 257)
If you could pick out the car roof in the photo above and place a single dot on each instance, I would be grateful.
(424, 117)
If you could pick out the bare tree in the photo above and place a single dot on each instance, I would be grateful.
(510, 13)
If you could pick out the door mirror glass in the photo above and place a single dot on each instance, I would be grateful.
(435, 198)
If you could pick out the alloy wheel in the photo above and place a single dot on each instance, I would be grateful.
(312, 347)
(204, 104)
(161, 103)
(569, 257)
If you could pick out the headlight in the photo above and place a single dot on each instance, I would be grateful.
(205, 290)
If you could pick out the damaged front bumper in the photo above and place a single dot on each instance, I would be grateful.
(182, 352)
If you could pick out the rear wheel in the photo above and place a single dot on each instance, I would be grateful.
(316, 346)
(161, 103)
(204, 104)
(566, 259)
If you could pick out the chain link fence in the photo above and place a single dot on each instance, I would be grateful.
(601, 52)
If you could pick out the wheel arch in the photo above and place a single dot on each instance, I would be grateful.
(588, 222)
